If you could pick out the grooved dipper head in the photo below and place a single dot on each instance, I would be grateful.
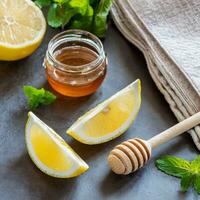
(129, 156)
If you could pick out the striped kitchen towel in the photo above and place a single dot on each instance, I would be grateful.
(168, 34)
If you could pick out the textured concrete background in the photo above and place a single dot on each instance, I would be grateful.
(21, 180)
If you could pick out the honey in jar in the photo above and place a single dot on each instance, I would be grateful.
(75, 63)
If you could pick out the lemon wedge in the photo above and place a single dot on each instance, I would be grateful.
(110, 118)
(50, 153)
(22, 28)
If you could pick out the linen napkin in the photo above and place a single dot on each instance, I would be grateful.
(168, 34)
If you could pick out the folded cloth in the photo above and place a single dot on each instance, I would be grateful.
(168, 34)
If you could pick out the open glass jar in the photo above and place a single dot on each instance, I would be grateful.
(75, 63)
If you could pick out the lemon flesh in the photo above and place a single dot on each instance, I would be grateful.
(110, 118)
(22, 27)
(50, 152)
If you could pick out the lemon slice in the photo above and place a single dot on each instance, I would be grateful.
(50, 153)
(22, 27)
(110, 118)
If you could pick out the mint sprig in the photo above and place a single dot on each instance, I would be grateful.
(100, 17)
(37, 97)
(188, 172)
(90, 15)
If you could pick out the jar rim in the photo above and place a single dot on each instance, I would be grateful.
(76, 35)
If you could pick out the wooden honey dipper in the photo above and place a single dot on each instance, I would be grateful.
(134, 153)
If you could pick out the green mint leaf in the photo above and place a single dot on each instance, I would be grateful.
(100, 18)
(48, 98)
(186, 182)
(34, 96)
(37, 97)
(174, 166)
(59, 15)
(68, 14)
(196, 183)
(61, 11)
(80, 6)
(55, 17)
(43, 3)
(83, 22)
(189, 172)
(73, 9)
(195, 164)
(90, 15)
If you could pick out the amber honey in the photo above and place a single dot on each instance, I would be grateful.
(76, 67)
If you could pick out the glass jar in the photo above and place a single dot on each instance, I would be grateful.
(75, 63)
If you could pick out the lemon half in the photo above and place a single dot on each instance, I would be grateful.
(110, 118)
(50, 153)
(22, 28)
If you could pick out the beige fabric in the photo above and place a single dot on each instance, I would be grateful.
(168, 33)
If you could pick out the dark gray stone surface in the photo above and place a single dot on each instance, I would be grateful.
(21, 180)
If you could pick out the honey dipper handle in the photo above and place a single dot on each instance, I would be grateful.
(175, 130)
